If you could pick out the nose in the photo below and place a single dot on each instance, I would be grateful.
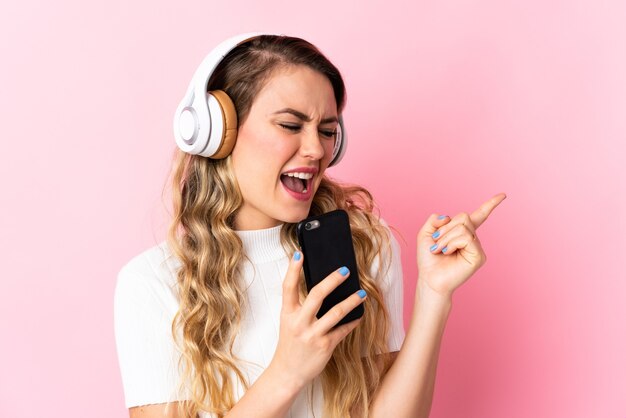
(311, 145)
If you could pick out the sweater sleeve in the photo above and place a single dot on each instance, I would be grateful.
(144, 308)
(391, 284)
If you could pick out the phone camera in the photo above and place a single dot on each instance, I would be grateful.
(312, 225)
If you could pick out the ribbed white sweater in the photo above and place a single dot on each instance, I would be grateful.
(146, 301)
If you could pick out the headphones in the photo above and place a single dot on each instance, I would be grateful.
(205, 123)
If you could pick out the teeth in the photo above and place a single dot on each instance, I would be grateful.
(304, 176)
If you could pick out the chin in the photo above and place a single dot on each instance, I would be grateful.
(295, 216)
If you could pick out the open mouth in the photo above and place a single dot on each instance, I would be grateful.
(297, 182)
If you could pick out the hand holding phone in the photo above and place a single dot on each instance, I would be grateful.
(302, 335)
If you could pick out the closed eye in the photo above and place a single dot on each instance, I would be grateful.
(329, 134)
(296, 128)
(292, 128)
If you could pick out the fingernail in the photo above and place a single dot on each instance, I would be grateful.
(343, 271)
(442, 216)
(362, 293)
(434, 247)
(444, 249)
(436, 234)
(296, 256)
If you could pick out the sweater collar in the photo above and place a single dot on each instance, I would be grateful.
(262, 245)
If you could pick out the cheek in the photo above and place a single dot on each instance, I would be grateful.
(329, 146)
(258, 159)
(265, 141)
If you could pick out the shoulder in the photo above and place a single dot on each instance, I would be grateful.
(145, 304)
(389, 248)
(156, 262)
(388, 229)
(387, 269)
(149, 276)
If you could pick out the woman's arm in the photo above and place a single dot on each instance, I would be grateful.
(161, 410)
(407, 388)
(448, 254)
(270, 396)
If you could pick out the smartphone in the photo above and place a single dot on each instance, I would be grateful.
(326, 242)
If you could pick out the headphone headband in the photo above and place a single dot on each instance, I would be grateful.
(200, 123)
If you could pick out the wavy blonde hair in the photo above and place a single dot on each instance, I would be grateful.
(205, 200)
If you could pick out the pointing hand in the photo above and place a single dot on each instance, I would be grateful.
(448, 249)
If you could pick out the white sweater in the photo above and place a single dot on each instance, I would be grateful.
(146, 301)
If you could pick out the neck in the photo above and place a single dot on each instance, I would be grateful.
(262, 245)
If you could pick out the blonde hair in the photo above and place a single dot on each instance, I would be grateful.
(205, 200)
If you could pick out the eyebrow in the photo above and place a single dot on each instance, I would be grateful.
(304, 117)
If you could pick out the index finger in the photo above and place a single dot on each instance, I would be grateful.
(481, 214)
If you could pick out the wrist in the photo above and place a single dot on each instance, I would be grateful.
(282, 378)
(427, 296)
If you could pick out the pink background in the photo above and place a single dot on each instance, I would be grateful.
(449, 103)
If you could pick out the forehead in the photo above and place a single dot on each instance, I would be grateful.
(298, 87)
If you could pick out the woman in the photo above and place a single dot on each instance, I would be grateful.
(217, 321)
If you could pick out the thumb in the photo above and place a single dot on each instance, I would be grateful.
(291, 298)
(434, 222)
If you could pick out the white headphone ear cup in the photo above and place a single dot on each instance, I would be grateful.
(189, 128)
(213, 140)
(340, 144)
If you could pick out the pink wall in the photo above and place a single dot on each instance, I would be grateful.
(449, 103)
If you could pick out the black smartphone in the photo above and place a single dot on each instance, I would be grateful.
(326, 242)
